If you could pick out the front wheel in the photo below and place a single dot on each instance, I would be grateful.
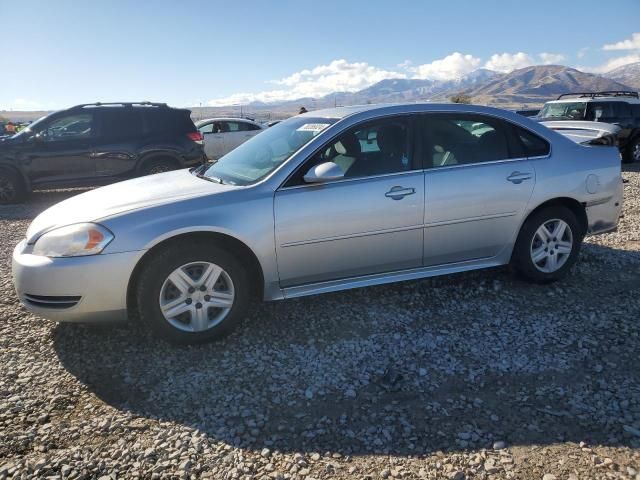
(548, 245)
(12, 188)
(192, 293)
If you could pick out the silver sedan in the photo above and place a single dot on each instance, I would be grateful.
(324, 201)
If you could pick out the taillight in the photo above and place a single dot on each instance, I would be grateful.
(196, 137)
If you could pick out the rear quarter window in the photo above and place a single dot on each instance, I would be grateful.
(530, 144)
(172, 120)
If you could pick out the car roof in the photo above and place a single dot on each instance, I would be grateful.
(228, 119)
(400, 108)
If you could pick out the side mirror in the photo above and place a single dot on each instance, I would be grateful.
(325, 172)
(39, 137)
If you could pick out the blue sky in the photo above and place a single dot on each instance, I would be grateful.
(189, 52)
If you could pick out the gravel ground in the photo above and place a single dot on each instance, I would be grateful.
(476, 375)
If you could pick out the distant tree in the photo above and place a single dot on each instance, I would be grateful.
(460, 98)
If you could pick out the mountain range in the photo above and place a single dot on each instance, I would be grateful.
(529, 86)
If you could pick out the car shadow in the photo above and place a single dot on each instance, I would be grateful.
(450, 363)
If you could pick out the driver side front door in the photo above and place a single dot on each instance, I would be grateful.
(62, 153)
(369, 222)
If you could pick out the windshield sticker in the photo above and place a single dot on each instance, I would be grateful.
(313, 127)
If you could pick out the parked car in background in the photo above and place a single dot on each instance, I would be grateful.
(619, 108)
(588, 133)
(324, 201)
(96, 144)
(221, 135)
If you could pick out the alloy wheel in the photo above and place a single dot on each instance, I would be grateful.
(551, 245)
(635, 154)
(197, 296)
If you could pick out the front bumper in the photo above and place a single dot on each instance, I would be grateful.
(74, 289)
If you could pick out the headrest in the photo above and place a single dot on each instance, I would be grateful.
(391, 139)
(348, 145)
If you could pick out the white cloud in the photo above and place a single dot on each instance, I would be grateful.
(613, 63)
(507, 62)
(337, 76)
(582, 52)
(632, 43)
(551, 58)
(450, 67)
(26, 104)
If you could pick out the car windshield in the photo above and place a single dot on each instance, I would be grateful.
(258, 157)
(571, 110)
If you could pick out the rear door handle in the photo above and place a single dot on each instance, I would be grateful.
(518, 177)
(398, 192)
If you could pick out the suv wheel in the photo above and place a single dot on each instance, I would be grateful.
(633, 152)
(192, 293)
(11, 187)
(160, 165)
(548, 245)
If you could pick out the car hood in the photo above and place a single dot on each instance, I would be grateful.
(136, 194)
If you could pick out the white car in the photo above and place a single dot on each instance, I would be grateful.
(221, 135)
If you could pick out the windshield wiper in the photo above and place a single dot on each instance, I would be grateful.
(210, 179)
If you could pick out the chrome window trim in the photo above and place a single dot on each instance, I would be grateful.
(347, 180)
(490, 162)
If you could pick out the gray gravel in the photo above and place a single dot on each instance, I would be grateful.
(476, 375)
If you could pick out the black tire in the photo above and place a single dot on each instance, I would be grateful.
(158, 165)
(157, 270)
(12, 188)
(632, 152)
(522, 260)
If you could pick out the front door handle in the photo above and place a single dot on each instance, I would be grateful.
(518, 177)
(398, 192)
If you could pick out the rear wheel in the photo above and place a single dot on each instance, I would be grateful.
(192, 293)
(632, 154)
(12, 188)
(159, 165)
(548, 245)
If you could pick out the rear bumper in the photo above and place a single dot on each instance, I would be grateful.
(603, 215)
(79, 289)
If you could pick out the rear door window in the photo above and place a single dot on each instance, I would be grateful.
(459, 139)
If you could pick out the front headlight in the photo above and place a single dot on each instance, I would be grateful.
(73, 241)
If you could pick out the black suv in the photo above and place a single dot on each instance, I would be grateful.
(96, 144)
(620, 108)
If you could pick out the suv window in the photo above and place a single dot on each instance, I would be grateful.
(208, 128)
(374, 148)
(159, 120)
(120, 123)
(459, 139)
(69, 127)
(622, 110)
(596, 111)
